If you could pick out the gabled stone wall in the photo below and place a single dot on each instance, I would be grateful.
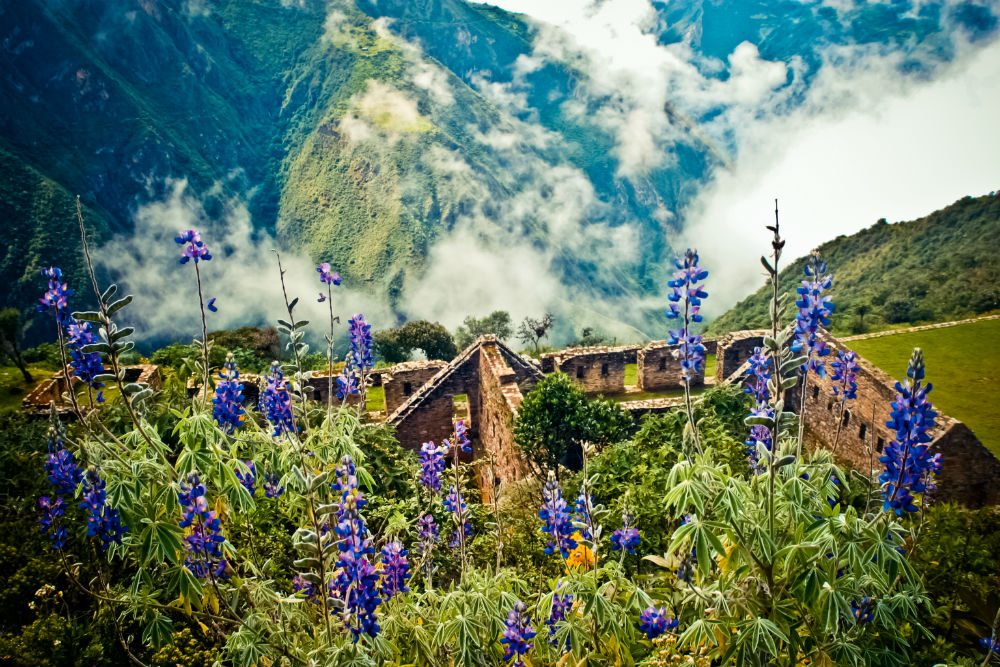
(733, 350)
(403, 380)
(596, 370)
(658, 369)
(51, 391)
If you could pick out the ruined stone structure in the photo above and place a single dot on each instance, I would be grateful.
(732, 352)
(494, 379)
(658, 369)
(597, 370)
(403, 380)
(52, 391)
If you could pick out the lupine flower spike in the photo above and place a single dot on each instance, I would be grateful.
(814, 313)
(654, 622)
(204, 541)
(227, 406)
(561, 605)
(427, 535)
(103, 521)
(910, 467)
(687, 293)
(248, 480)
(758, 372)
(395, 570)
(555, 515)
(843, 375)
(431, 466)
(276, 402)
(517, 635)
(626, 538)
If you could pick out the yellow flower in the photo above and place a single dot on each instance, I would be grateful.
(581, 556)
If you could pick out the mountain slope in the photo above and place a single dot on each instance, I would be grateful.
(941, 267)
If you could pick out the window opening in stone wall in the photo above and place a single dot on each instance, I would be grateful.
(579, 372)
(880, 445)
(407, 389)
(829, 405)
(460, 409)
(815, 393)
(862, 430)
(846, 418)
(604, 370)
(663, 363)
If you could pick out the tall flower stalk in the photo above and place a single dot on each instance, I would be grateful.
(910, 468)
(556, 520)
(194, 250)
(459, 444)
(687, 292)
(813, 315)
(843, 374)
(329, 278)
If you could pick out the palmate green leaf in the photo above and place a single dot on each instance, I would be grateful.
(161, 541)
(685, 496)
(158, 630)
(761, 633)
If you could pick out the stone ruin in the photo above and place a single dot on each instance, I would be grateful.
(52, 392)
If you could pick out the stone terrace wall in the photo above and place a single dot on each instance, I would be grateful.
(36, 403)
(733, 350)
(969, 470)
(403, 380)
(597, 370)
(500, 460)
(658, 369)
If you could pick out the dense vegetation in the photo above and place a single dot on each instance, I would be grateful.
(938, 268)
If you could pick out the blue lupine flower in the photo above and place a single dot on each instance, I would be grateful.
(362, 345)
(326, 276)
(517, 635)
(687, 288)
(431, 466)
(211, 305)
(86, 365)
(56, 297)
(63, 472)
(248, 480)
(909, 465)
(204, 542)
(863, 611)
(103, 521)
(843, 373)
(395, 570)
(276, 402)
(228, 402)
(462, 437)
(194, 247)
(581, 514)
(758, 374)
(561, 605)
(555, 514)
(53, 509)
(272, 489)
(990, 644)
(626, 537)
(356, 582)
(814, 314)
(301, 585)
(455, 505)
(348, 383)
(427, 536)
(654, 622)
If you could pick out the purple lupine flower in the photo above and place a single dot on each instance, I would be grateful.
(211, 305)
(227, 406)
(326, 276)
(863, 610)
(517, 635)
(194, 247)
(814, 314)
(431, 466)
(990, 644)
(395, 570)
(455, 505)
(276, 402)
(63, 472)
(272, 489)
(348, 383)
(625, 538)
(304, 587)
(362, 345)
(204, 542)
(248, 480)
(461, 436)
(909, 465)
(356, 582)
(687, 288)
(53, 510)
(843, 373)
(86, 365)
(758, 374)
(427, 536)
(103, 521)
(56, 297)
(654, 622)
(581, 514)
(555, 515)
(561, 604)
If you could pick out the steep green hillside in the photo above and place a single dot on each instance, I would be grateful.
(941, 267)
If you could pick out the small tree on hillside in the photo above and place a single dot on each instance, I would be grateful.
(531, 331)
(10, 340)
(396, 345)
(557, 418)
(497, 323)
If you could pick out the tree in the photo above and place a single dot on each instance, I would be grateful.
(557, 418)
(396, 345)
(862, 309)
(531, 331)
(591, 338)
(10, 340)
(497, 323)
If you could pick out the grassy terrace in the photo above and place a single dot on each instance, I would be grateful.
(963, 364)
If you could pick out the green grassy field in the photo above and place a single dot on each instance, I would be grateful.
(963, 364)
(13, 388)
(632, 371)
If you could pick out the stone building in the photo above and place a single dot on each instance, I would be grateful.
(403, 380)
(53, 390)
(732, 352)
(597, 370)
(658, 369)
(493, 379)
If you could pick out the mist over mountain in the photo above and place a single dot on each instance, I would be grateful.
(448, 157)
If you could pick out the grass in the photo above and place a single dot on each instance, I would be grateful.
(12, 386)
(963, 364)
(375, 399)
(632, 371)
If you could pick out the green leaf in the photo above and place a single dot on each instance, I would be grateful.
(119, 304)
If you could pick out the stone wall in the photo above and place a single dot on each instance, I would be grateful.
(403, 380)
(51, 391)
(658, 369)
(597, 370)
(733, 350)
